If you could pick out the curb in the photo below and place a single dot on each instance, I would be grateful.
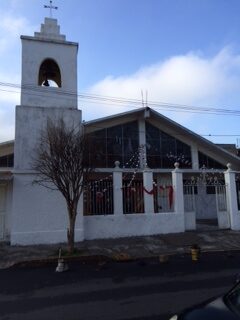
(117, 257)
(53, 260)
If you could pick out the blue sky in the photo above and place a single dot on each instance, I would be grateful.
(183, 52)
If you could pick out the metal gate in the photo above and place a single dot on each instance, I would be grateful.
(206, 203)
(133, 201)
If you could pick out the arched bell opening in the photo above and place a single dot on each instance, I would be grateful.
(49, 74)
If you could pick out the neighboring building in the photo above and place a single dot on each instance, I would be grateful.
(230, 148)
(152, 175)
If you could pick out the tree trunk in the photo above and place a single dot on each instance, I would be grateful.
(71, 231)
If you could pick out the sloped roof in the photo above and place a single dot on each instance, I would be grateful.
(6, 148)
(169, 126)
(182, 133)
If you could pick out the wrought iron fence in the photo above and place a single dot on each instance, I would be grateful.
(189, 197)
(98, 197)
(221, 197)
(133, 201)
(203, 190)
(163, 198)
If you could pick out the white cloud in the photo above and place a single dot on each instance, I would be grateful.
(7, 122)
(190, 79)
(11, 27)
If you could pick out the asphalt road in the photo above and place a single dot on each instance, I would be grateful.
(145, 290)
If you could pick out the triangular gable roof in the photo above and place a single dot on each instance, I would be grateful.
(169, 126)
(6, 147)
(159, 120)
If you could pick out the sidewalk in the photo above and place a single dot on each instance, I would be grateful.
(133, 248)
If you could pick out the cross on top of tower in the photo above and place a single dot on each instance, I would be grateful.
(50, 7)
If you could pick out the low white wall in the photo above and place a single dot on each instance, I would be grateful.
(39, 215)
(127, 225)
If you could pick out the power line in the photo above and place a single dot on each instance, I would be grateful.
(119, 101)
(123, 102)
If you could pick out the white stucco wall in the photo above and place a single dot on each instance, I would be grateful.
(39, 214)
(127, 225)
(30, 121)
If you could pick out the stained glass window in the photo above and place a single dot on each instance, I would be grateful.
(164, 150)
(209, 163)
(7, 161)
(118, 143)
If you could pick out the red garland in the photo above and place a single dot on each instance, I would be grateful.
(149, 192)
(170, 194)
(99, 196)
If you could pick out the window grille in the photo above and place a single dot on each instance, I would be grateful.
(98, 197)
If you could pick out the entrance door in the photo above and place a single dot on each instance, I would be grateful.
(3, 202)
(205, 206)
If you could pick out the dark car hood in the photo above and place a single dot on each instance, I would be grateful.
(216, 309)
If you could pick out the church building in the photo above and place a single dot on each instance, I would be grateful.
(151, 176)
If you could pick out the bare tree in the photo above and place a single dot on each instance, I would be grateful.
(61, 164)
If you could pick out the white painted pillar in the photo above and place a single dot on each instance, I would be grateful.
(178, 190)
(148, 185)
(177, 180)
(231, 194)
(117, 190)
(195, 161)
(142, 142)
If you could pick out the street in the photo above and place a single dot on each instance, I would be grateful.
(146, 290)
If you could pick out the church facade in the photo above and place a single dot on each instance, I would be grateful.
(151, 175)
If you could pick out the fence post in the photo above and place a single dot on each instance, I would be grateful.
(178, 190)
(148, 194)
(117, 190)
(231, 193)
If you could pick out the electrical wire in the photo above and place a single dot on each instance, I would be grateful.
(123, 102)
(119, 101)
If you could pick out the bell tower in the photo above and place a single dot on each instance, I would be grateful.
(49, 68)
(48, 91)
(48, 88)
